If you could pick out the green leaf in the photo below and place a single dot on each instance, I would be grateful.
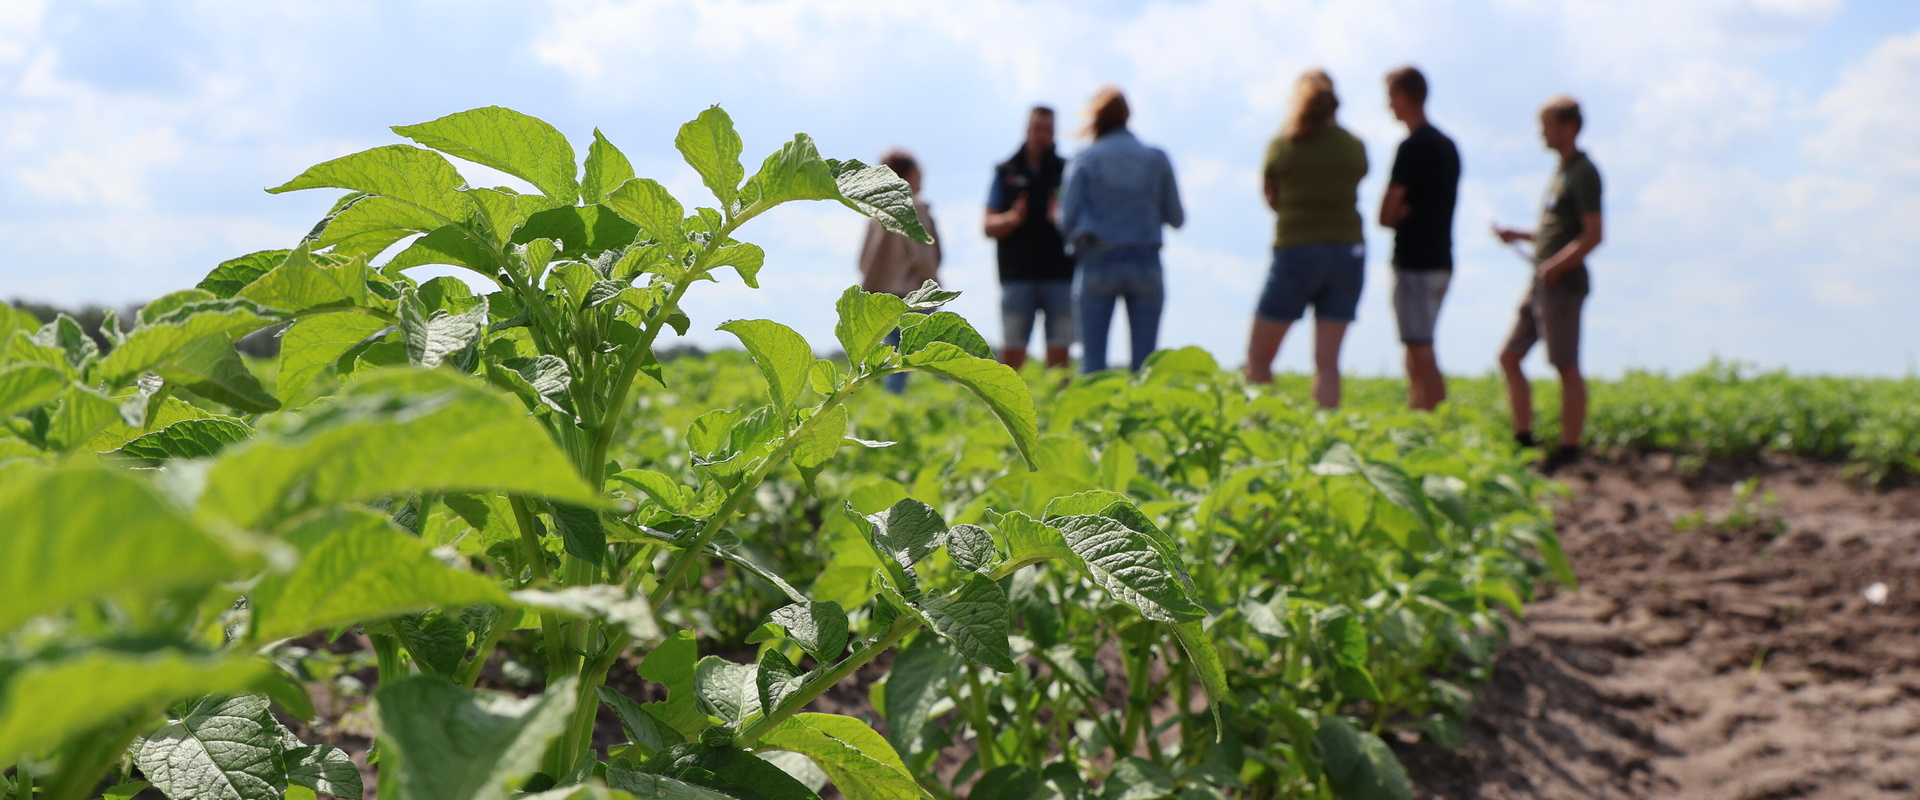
(1125, 563)
(819, 628)
(865, 319)
(507, 140)
(393, 432)
(581, 230)
(929, 296)
(782, 355)
(24, 386)
(823, 440)
(736, 773)
(432, 340)
(1358, 765)
(858, 760)
(606, 167)
(641, 726)
(65, 335)
(445, 245)
(712, 148)
(366, 225)
(408, 174)
(46, 702)
(234, 274)
(211, 368)
(305, 282)
(324, 769)
(656, 787)
(77, 533)
(669, 493)
(81, 414)
(976, 619)
(644, 202)
(454, 744)
(218, 750)
(746, 259)
(794, 172)
(996, 383)
(1136, 779)
(905, 533)
(312, 344)
(727, 690)
(357, 565)
(972, 548)
(672, 664)
(437, 642)
(192, 438)
(945, 326)
(881, 195)
(503, 211)
(1030, 541)
(163, 336)
(776, 679)
(917, 682)
(1205, 659)
(581, 532)
(611, 604)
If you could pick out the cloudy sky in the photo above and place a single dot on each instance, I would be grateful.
(1761, 157)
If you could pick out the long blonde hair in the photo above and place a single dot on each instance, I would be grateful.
(1107, 112)
(1313, 105)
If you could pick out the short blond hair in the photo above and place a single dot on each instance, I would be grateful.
(1565, 109)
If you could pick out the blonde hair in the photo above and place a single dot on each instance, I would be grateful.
(1107, 112)
(1565, 109)
(1313, 105)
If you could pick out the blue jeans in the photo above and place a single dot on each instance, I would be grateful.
(1326, 276)
(897, 382)
(1104, 276)
(1022, 301)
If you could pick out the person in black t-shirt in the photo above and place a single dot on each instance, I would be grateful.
(1036, 276)
(1419, 207)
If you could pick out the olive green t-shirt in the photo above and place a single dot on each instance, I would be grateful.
(1575, 190)
(1316, 180)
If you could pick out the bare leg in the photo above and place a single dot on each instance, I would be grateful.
(1573, 405)
(1262, 345)
(1327, 337)
(1519, 394)
(1056, 357)
(1428, 386)
(1014, 358)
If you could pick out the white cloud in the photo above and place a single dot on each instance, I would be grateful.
(1872, 117)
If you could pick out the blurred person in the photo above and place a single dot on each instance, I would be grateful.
(1418, 206)
(891, 263)
(1036, 276)
(1313, 171)
(1569, 230)
(1116, 196)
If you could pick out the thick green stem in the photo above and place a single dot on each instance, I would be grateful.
(812, 689)
(84, 760)
(985, 743)
(470, 672)
(387, 650)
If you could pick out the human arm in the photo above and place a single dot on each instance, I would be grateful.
(1001, 224)
(1072, 199)
(1393, 206)
(1575, 253)
(1511, 235)
(1170, 208)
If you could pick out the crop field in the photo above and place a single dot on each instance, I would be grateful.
(461, 546)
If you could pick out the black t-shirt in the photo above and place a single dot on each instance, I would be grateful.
(1035, 251)
(1428, 165)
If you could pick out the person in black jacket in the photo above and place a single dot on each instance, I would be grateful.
(1418, 206)
(1036, 276)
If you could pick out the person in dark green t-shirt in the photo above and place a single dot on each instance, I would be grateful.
(1313, 171)
(1570, 229)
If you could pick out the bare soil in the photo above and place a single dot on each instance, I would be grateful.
(1710, 663)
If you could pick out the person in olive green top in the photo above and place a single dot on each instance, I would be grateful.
(1313, 174)
(1570, 229)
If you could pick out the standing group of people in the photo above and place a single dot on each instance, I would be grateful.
(1077, 237)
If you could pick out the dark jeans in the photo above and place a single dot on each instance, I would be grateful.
(1104, 277)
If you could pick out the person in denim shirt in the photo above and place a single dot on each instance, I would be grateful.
(1116, 195)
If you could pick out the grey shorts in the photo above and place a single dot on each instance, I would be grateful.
(1416, 302)
(1551, 313)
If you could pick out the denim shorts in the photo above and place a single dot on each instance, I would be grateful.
(1325, 276)
(1021, 301)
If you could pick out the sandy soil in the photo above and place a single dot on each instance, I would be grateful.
(1710, 663)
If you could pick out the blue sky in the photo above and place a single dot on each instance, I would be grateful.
(1760, 156)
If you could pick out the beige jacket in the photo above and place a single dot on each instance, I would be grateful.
(896, 265)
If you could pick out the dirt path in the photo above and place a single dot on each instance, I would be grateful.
(1708, 664)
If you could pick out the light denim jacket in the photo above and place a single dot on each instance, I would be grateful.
(1118, 192)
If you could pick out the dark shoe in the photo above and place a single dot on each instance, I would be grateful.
(1525, 439)
(1563, 456)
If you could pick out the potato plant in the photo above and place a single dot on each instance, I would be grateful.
(430, 467)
